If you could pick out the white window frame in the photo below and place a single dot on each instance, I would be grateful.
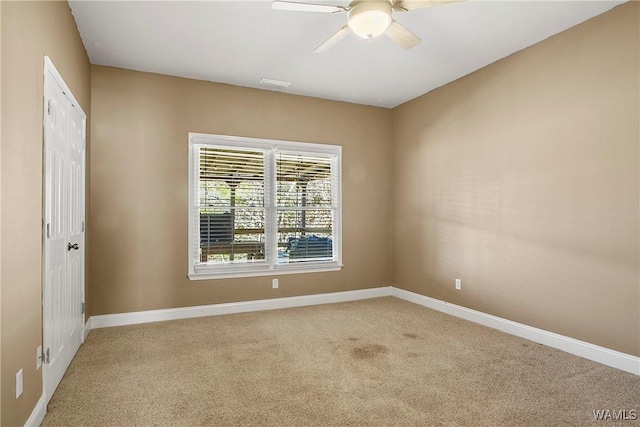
(200, 271)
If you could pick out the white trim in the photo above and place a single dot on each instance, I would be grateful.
(87, 328)
(37, 416)
(615, 359)
(262, 143)
(49, 67)
(109, 320)
(312, 268)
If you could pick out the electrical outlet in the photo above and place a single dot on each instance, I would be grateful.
(274, 283)
(19, 383)
(458, 284)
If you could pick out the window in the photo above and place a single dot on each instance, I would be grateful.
(259, 207)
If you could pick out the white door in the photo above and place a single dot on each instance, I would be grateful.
(64, 183)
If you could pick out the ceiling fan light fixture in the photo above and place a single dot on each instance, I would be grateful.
(369, 19)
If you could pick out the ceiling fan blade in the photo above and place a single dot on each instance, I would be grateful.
(333, 40)
(306, 7)
(402, 36)
(405, 5)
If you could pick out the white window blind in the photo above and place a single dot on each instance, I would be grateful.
(231, 205)
(262, 207)
(305, 198)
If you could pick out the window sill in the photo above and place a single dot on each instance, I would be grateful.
(277, 271)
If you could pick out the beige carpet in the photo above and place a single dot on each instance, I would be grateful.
(375, 362)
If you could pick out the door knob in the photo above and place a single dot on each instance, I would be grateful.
(73, 246)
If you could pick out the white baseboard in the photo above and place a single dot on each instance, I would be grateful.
(87, 327)
(615, 359)
(109, 320)
(37, 416)
(584, 349)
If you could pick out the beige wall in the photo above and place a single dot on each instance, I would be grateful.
(30, 30)
(522, 179)
(138, 193)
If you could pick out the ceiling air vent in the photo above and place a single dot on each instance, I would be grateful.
(274, 83)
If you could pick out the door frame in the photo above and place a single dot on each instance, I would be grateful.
(50, 69)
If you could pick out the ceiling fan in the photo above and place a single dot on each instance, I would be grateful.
(366, 18)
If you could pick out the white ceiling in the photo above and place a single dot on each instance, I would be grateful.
(242, 42)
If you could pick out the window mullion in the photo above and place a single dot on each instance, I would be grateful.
(336, 203)
(271, 213)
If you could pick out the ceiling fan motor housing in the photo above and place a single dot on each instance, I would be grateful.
(369, 19)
